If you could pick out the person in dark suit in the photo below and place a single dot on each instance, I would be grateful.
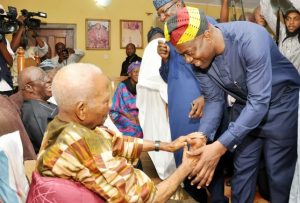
(241, 59)
(131, 57)
(36, 111)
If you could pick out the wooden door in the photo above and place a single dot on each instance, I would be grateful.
(54, 33)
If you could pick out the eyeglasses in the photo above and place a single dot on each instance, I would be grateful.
(166, 10)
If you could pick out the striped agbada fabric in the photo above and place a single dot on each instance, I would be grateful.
(99, 159)
(124, 112)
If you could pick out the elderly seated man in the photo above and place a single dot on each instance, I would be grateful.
(77, 146)
(36, 111)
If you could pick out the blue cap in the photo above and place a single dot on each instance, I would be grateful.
(159, 3)
(46, 65)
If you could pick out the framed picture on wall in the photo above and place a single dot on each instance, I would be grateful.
(97, 34)
(131, 32)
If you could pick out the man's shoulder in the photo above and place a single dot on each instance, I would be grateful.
(36, 105)
(137, 58)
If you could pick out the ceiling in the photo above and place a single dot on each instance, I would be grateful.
(247, 3)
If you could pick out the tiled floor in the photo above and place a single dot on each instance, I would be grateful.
(150, 171)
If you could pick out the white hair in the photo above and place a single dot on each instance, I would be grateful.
(72, 84)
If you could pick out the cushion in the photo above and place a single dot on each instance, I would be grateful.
(58, 190)
(13, 183)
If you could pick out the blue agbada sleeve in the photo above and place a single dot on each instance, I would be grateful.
(255, 51)
(214, 105)
(163, 70)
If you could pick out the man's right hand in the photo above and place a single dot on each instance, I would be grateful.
(163, 50)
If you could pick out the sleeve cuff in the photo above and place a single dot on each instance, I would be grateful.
(228, 140)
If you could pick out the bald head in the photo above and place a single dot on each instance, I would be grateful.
(35, 84)
(259, 18)
(76, 82)
(82, 94)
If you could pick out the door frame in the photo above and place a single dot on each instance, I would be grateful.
(62, 26)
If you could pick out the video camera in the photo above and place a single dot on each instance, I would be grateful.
(30, 22)
(8, 21)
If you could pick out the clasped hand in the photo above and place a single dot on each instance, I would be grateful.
(207, 158)
(183, 141)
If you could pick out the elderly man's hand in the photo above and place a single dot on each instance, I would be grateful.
(189, 160)
(182, 141)
(196, 140)
(205, 168)
(197, 108)
(163, 50)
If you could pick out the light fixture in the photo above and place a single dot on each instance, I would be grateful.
(103, 3)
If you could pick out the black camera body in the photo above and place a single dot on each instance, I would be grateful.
(8, 22)
(30, 22)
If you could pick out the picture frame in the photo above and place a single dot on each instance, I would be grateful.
(131, 32)
(97, 32)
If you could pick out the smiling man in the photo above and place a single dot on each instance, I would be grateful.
(36, 111)
(241, 59)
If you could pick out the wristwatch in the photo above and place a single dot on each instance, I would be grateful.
(157, 145)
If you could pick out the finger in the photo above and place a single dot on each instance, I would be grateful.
(196, 169)
(210, 177)
(197, 112)
(195, 135)
(192, 112)
(200, 175)
(205, 177)
(196, 180)
(185, 149)
(195, 152)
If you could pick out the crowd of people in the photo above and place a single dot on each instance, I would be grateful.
(206, 97)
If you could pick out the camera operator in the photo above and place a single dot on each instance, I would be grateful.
(6, 61)
(65, 55)
(22, 38)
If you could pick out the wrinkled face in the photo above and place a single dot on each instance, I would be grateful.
(198, 52)
(98, 106)
(259, 19)
(40, 85)
(167, 10)
(130, 50)
(292, 21)
(134, 74)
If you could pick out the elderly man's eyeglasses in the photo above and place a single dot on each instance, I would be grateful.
(166, 10)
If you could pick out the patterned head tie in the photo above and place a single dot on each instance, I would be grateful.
(186, 25)
(133, 65)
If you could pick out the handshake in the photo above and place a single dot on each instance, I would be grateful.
(200, 159)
